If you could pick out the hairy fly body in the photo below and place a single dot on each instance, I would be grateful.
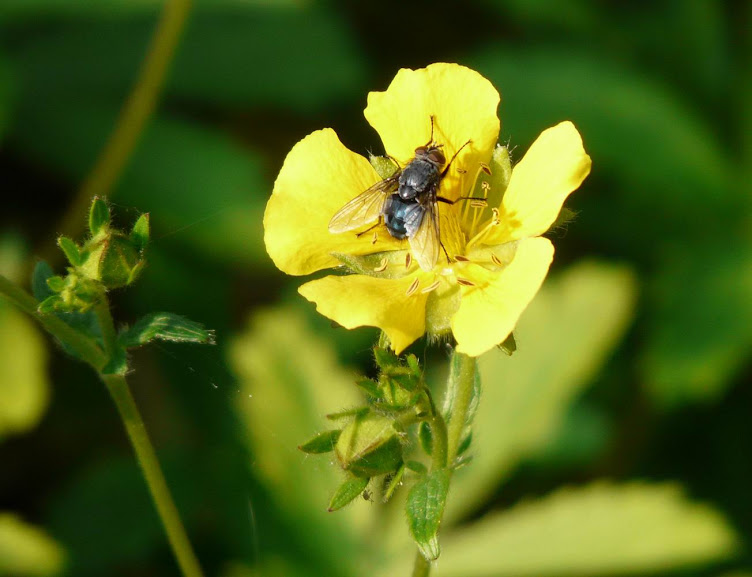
(405, 202)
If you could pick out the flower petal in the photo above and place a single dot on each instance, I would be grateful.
(317, 178)
(463, 104)
(489, 311)
(555, 165)
(359, 300)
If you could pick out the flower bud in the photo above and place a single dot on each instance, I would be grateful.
(369, 446)
(113, 259)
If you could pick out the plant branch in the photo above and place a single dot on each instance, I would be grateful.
(147, 459)
(132, 119)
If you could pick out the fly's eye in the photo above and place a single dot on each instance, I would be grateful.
(421, 151)
(437, 157)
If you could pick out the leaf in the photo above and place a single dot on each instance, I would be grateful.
(224, 226)
(700, 331)
(165, 327)
(289, 379)
(7, 95)
(99, 215)
(664, 159)
(222, 59)
(24, 385)
(563, 338)
(351, 489)
(324, 442)
(425, 508)
(600, 529)
(26, 551)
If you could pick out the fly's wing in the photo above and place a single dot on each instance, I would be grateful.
(422, 228)
(364, 208)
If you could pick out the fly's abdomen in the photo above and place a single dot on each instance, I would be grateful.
(399, 216)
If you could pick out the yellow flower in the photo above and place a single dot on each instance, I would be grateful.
(493, 259)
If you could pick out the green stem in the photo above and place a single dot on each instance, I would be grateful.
(133, 117)
(147, 459)
(447, 436)
(422, 567)
(84, 347)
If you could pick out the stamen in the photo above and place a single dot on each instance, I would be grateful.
(492, 223)
(382, 266)
(465, 282)
(461, 258)
(375, 238)
(413, 287)
(496, 260)
(485, 168)
(433, 286)
(408, 259)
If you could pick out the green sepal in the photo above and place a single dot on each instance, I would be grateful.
(348, 413)
(71, 250)
(370, 388)
(369, 446)
(99, 216)
(50, 305)
(416, 467)
(56, 283)
(385, 358)
(112, 259)
(565, 216)
(465, 443)
(509, 346)
(383, 165)
(351, 489)
(424, 509)
(140, 233)
(389, 264)
(425, 437)
(391, 482)
(324, 442)
(165, 327)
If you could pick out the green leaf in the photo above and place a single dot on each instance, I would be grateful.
(324, 442)
(700, 333)
(7, 95)
(664, 159)
(347, 492)
(27, 551)
(424, 509)
(165, 327)
(39, 287)
(601, 529)
(289, 378)
(24, 386)
(217, 44)
(564, 337)
(223, 226)
(99, 216)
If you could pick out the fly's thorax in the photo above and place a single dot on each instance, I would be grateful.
(419, 177)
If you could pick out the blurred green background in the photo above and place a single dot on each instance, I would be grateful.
(617, 440)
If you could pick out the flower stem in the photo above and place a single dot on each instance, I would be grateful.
(147, 459)
(134, 425)
(133, 117)
(447, 436)
(85, 347)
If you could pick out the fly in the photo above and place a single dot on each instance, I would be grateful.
(406, 202)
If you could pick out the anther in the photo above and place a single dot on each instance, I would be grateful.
(461, 258)
(433, 286)
(382, 266)
(496, 260)
(485, 168)
(413, 287)
(465, 282)
(408, 259)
